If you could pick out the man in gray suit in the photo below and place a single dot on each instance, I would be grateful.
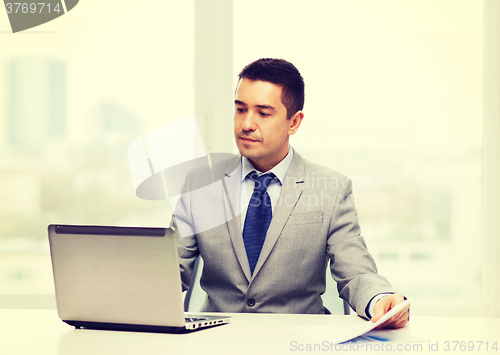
(266, 248)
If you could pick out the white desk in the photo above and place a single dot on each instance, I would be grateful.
(41, 332)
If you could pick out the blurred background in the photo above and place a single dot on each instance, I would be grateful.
(394, 100)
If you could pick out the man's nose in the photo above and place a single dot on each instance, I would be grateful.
(249, 122)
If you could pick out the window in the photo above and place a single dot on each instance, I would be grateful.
(79, 90)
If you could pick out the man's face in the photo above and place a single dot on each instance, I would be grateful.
(261, 128)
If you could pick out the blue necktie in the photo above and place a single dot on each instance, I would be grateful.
(258, 218)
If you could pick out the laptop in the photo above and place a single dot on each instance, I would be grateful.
(120, 278)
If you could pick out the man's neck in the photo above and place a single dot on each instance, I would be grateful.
(267, 164)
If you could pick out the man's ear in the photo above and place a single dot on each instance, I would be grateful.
(295, 122)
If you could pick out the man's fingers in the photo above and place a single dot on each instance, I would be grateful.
(384, 305)
(396, 324)
(398, 321)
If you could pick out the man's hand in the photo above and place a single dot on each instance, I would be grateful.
(384, 305)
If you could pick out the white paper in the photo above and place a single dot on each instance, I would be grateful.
(393, 335)
(341, 333)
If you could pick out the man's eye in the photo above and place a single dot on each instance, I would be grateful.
(240, 110)
(263, 114)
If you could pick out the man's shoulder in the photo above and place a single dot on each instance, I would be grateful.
(318, 178)
(320, 170)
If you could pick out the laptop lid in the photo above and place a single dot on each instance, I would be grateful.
(116, 275)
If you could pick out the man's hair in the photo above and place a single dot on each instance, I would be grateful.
(281, 73)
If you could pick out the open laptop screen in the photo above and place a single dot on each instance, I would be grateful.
(117, 275)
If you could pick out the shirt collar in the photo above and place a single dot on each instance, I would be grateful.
(279, 170)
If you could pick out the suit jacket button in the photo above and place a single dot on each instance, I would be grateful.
(251, 302)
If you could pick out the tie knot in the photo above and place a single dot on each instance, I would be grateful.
(261, 182)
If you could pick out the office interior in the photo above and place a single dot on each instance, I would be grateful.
(401, 96)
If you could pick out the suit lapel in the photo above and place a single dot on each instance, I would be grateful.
(290, 194)
(231, 185)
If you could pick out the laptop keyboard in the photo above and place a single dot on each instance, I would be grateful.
(192, 319)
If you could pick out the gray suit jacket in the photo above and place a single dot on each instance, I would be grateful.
(314, 220)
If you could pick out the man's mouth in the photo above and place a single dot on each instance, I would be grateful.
(247, 139)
